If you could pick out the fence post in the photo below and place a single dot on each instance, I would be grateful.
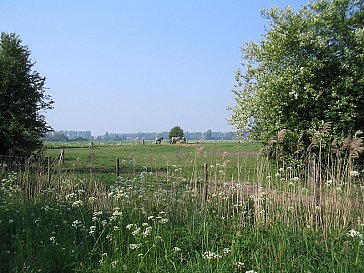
(205, 181)
(61, 157)
(314, 181)
(313, 178)
(49, 171)
(117, 168)
(317, 192)
(312, 170)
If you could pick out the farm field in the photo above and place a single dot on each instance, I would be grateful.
(159, 215)
(135, 157)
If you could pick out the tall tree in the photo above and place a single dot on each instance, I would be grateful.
(22, 98)
(208, 135)
(176, 131)
(307, 69)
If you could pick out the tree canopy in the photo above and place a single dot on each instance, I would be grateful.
(22, 99)
(176, 131)
(307, 69)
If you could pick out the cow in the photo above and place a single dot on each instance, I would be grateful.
(175, 140)
(158, 140)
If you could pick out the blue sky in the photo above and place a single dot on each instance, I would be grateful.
(137, 65)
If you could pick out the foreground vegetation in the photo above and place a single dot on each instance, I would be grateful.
(148, 222)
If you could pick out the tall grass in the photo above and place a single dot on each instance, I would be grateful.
(266, 221)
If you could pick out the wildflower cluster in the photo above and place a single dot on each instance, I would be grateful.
(8, 186)
(356, 235)
(208, 255)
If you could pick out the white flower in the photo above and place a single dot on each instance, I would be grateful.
(353, 233)
(295, 179)
(76, 223)
(136, 232)
(158, 238)
(354, 173)
(97, 213)
(130, 226)
(77, 204)
(163, 220)
(114, 263)
(227, 250)
(147, 231)
(92, 230)
(52, 239)
(239, 265)
(208, 255)
(117, 213)
(134, 246)
(176, 249)
(69, 196)
(92, 199)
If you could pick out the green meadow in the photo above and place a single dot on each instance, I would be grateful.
(166, 213)
(135, 157)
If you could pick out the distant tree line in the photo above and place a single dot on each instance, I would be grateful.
(209, 135)
(65, 135)
(68, 136)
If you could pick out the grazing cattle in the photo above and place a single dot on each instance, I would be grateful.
(158, 140)
(175, 140)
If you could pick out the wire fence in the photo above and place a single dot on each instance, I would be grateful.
(50, 166)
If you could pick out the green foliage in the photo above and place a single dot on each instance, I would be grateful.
(208, 135)
(307, 69)
(176, 131)
(152, 224)
(22, 98)
(57, 137)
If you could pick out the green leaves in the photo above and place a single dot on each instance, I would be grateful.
(307, 68)
(22, 96)
(176, 131)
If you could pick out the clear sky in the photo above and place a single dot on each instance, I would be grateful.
(126, 66)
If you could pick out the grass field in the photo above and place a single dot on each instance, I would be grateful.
(159, 217)
(135, 158)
